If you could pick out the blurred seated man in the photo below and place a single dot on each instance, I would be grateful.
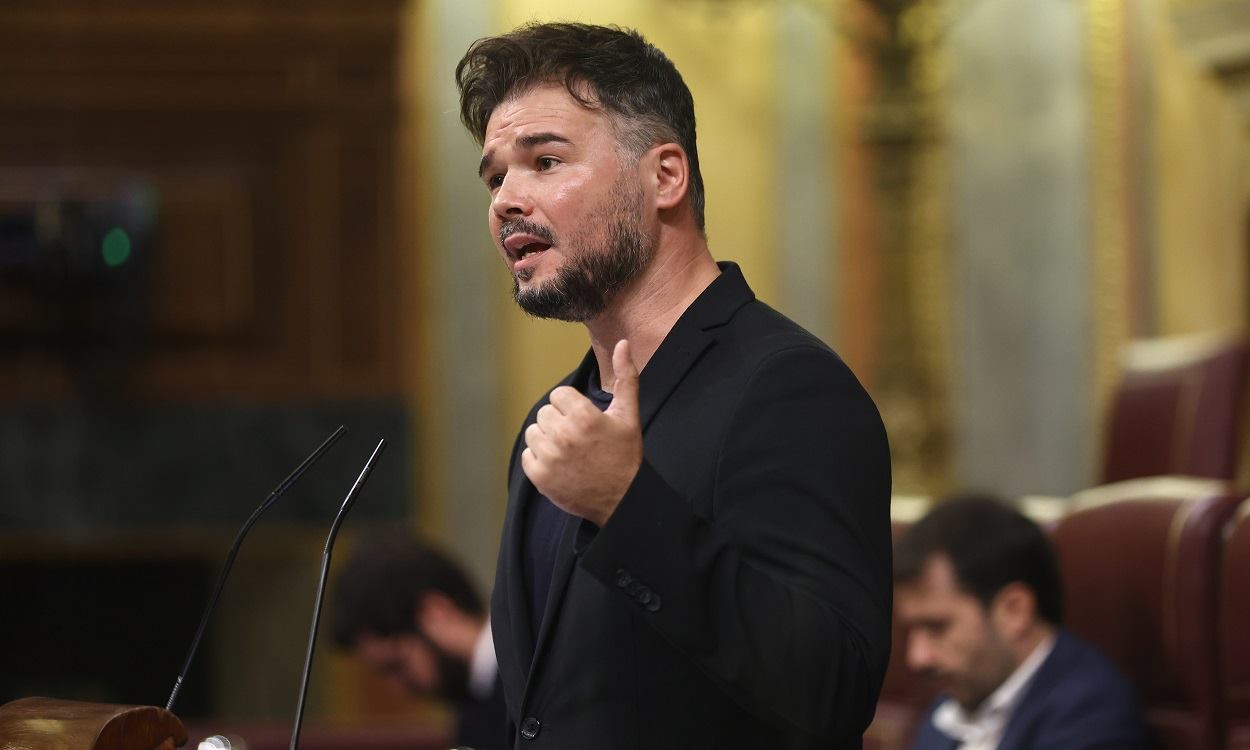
(977, 589)
(411, 614)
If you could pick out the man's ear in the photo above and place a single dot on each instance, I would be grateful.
(1014, 609)
(670, 169)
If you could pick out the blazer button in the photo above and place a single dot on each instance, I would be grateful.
(654, 604)
(530, 728)
(623, 578)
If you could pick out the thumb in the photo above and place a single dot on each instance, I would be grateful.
(625, 389)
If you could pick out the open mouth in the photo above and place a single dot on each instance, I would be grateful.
(523, 245)
(531, 249)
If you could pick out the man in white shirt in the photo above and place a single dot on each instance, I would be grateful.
(411, 613)
(977, 589)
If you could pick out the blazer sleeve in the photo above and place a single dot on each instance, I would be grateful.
(1099, 713)
(782, 596)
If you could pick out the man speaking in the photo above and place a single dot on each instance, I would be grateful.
(696, 552)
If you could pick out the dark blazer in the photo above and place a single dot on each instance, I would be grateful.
(1076, 701)
(483, 722)
(739, 596)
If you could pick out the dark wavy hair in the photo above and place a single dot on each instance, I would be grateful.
(378, 589)
(600, 66)
(990, 546)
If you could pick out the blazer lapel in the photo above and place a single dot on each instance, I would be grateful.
(1029, 702)
(667, 367)
(690, 337)
(520, 494)
(661, 375)
(565, 560)
(676, 355)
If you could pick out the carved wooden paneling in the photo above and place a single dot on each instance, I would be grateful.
(206, 268)
(264, 133)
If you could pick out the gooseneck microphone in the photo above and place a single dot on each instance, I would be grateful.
(234, 550)
(321, 587)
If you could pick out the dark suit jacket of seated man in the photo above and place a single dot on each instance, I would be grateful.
(978, 591)
(697, 556)
(1077, 699)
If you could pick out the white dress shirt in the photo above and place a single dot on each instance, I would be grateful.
(482, 665)
(983, 729)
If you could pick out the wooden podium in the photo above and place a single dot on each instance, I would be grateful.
(52, 724)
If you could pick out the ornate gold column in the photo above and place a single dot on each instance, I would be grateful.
(1109, 237)
(904, 129)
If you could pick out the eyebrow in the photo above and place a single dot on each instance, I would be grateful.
(525, 143)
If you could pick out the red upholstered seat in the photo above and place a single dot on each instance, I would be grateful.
(1235, 629)
(1140, 562)
(1178, 409)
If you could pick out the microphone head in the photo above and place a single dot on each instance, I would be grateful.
(216, 742)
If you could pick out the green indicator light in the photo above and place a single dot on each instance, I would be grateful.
(116, 248)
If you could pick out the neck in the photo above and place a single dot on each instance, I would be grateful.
(646, 310)
(1034, 637)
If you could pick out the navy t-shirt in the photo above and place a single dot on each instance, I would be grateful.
(545, 525)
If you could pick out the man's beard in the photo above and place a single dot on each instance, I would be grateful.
(587, 283)
(990, 669)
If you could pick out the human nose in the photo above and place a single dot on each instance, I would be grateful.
(919, 652)
(511, 198)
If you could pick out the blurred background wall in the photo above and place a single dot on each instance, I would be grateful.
(228, 227)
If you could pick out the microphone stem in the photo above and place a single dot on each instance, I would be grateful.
(312, 647)
(277, 492)
(321, 589)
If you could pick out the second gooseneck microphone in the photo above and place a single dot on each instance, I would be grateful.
(321, 587)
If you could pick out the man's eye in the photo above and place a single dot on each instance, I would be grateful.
(494, 181)
(546, 162)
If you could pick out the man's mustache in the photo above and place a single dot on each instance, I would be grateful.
(525, 226)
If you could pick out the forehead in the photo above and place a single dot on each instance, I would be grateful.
(546, 107)
(937, 586)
